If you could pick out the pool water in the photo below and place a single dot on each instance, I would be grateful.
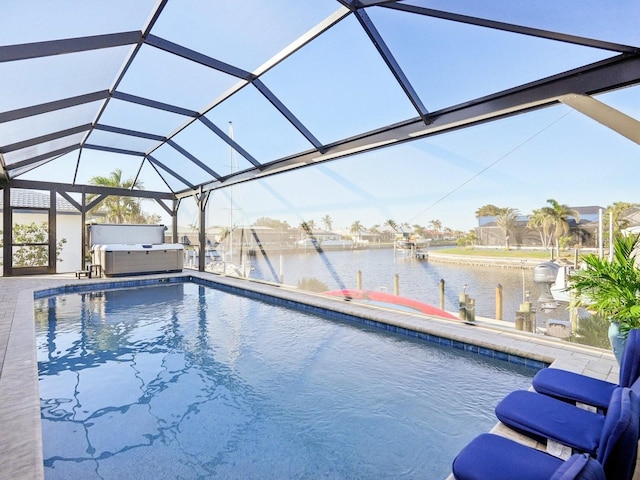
(183, 381)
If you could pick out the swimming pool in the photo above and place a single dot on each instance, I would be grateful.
(185, 381)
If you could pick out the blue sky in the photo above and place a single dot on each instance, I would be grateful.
(519, 162)
(338, 86)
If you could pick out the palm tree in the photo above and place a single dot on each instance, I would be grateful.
(448, 232)
(617, 211)
(307, 228)
(507, 220)
(537, 223)
(392, 224)
(119, 209)
(467, 240)
(356, 227)
(556, 221)
(436, 226)
(311, 224)
(327, 222)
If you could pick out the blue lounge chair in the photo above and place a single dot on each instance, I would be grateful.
(612, 438)
(573, 387)
(492, 457)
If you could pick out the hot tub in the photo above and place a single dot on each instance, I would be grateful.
(133, 259)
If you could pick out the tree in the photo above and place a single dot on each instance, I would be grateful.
(467, 240)
(436, 226)
(356, 227)
(271, 223)
(537, 222)
(617, 211)
(448, 231)
(307, 227)
(312, 284)
(327, 222)
(507, 220)
(488, 211)
(33, 255)
(118, 209)
(556, 220)
(391, 224)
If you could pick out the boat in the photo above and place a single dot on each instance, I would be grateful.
(552, 280)
(388, 300)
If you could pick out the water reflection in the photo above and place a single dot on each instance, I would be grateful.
(126, 367)
(215, 385)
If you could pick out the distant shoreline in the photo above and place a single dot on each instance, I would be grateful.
(484, 261)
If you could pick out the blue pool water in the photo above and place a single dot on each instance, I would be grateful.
(183, 381)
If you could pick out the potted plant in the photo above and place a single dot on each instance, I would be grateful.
(611, 289)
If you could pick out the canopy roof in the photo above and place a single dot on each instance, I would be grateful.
(165, 88)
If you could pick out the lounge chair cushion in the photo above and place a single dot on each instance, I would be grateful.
(492, 457)
(574, 387)
(542, 418)
(570, 386)
(615, 446)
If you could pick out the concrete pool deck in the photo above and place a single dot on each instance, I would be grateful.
(21, 442)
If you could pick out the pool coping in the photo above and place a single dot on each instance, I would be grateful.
(21, 445)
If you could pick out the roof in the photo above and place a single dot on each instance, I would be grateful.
(170, 89)
(36, 200)
(588, 210)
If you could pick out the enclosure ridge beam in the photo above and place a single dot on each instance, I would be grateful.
(26, 51)
(104, 148)
(229, 141)
(90, 189)
(44, 138)
(197, 57)
(275, 101)
(392, 64)
(128, 132)
(52, 106)
(170, 171)
(509, 27)
(41, 157)
(146, 102)
(193, 158)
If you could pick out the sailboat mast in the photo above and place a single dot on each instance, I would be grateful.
(231, 195)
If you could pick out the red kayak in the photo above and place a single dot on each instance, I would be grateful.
(390, 301)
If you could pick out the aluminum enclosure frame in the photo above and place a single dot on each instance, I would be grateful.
(573, 88)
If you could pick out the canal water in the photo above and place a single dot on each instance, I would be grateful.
(418, 279)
